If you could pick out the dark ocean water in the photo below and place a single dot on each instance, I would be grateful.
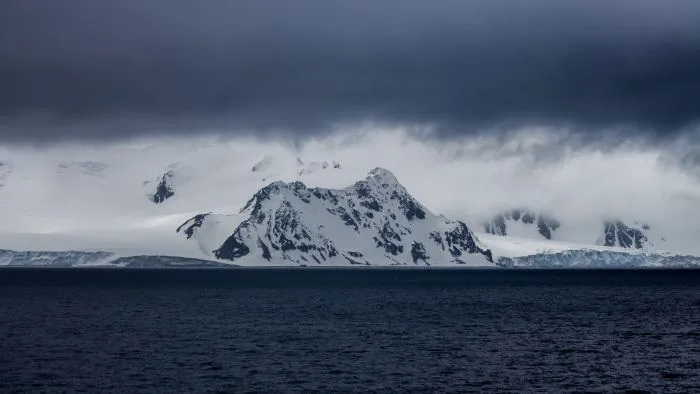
(329, 330)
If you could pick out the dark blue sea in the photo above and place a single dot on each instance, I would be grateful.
(349, 330)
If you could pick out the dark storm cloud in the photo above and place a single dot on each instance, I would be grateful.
(110, 69)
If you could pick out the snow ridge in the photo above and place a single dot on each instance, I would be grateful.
(373, 222)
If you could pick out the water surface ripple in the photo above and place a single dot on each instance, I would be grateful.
(344, 330)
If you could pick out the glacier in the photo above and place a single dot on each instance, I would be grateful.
(11, 258)
(586, 258)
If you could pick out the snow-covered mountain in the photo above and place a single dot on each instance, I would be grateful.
(373, 222)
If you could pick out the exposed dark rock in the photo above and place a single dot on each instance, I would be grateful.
(389, 246)
(546, 225)
(616, 233)
(363, 190)
(265, 250)
(528, 217)
(418, 252)
(409, 207)
(497, 225)
(373, 205)
(164, 189)
(192, 224)
(353, 261)
(261, 195)
(462, 239)
(232, 248)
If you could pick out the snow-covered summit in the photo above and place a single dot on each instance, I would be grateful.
(372, 222)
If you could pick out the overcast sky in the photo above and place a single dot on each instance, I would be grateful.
(105, 70)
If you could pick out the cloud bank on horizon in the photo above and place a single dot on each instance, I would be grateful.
(95, 71)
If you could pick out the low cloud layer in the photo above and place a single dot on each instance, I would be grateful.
(80, 69)
(74, 190)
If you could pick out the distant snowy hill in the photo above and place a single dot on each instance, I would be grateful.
(373, 222)
(525, 223)
(514, 252)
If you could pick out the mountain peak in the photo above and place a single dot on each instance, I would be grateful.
(374, 221)
(383, 176)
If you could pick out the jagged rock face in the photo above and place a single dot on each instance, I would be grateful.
(164, 188)
(616, 233)
(546, 225)
(189, 226)
(374, 221)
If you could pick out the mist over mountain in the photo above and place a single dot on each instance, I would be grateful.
(104, 194)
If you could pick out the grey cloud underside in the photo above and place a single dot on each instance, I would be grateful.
(303, 66)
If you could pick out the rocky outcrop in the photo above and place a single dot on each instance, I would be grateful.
(616, 233)
(164, 188)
